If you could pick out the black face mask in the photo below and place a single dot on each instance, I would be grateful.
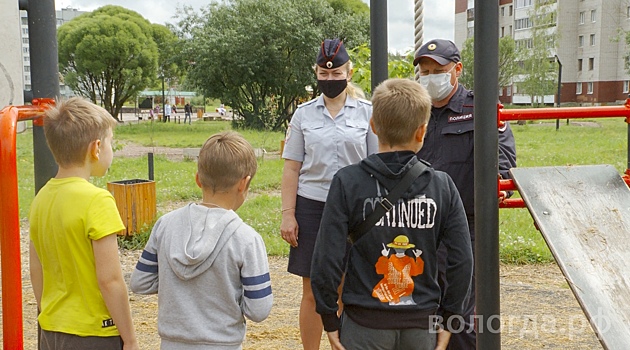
(332, 88)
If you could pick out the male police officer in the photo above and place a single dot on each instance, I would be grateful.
(448, 146)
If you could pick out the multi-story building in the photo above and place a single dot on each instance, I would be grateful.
(63, 16)
(591, 46)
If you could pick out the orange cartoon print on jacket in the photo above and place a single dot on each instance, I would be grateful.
(396, 287)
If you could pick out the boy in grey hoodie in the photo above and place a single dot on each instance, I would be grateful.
(208, 267)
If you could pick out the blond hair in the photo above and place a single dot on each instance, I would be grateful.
(399, 107)
(352, 90)
(225, 159)
(71, 126)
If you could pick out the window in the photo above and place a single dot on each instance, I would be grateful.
(24, 21)
(25, 31)
(25, 49)
(593, 13)
(522, 23)
(510, 10)
(25, 58)
(503, 11)
(592, 39)
(591, 63)
(582, 15)
(508, 91)
(589, 87)
(578, 88)
(580, 40)
(27, 68)
(626, 85)
(579, 67)
(471, 32)
(27, 86)
(523, 3)
(501, 91)
(502, 32)
(510, 30)
(628, 12)
(24, 40)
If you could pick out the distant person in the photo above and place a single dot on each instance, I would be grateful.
(188, 113)
(208, 268)
(390, 289)
(156, 111)
(74, 265)
(325, 135)
(449, 147)
(167, 112)
(221, 109)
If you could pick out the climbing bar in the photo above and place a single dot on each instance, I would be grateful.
(10, 220)
(563, 113)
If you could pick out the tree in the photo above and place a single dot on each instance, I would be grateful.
(538, 68)
(257, 56)
(349, 6)
(108, 55)
(398, 66)
(170, 59)
(507, 58)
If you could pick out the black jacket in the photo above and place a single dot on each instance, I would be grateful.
(383, 289)
(449, 145)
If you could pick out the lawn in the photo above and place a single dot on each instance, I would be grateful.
(538, 144)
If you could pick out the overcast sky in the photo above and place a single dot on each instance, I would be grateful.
(438, 16)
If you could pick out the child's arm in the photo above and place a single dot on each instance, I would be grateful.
(330, 248)
(145, 278)
(37, 276)
(113, 287)
(257, 296)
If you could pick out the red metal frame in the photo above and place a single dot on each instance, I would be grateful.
(12, 332)
(504, 115)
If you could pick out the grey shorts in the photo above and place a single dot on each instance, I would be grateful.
(63, 341)
(356, 337)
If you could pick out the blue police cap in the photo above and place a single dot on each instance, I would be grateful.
(440, 50)
(332, 54)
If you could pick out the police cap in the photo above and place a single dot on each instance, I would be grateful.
(440, 50)
(332, 54)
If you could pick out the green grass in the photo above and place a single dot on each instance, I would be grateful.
(538, 144)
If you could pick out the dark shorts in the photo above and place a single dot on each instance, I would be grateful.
(356, 337)
(63, 341)
(308, 214)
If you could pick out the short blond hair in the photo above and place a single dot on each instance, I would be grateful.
(399, 107)
(71, 126)
(225, 159)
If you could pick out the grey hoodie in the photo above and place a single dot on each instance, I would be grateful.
(212, 273)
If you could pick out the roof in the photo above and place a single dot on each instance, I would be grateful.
(167, 93)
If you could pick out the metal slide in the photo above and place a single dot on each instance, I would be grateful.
(583, 213)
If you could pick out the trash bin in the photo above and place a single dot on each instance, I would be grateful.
(199, 113)
(136, 203)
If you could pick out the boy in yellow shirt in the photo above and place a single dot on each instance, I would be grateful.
(74, 264)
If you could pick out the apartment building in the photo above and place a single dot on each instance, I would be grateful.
(63, 16)
(591, 46)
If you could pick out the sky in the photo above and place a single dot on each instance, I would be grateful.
(438, 16)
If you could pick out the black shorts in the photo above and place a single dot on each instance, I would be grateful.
(64, 341)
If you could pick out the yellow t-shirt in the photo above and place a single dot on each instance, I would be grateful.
(66, 216)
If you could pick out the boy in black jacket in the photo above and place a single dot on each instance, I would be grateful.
(390, 294)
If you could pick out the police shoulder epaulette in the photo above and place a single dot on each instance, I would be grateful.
(364, 101)
(307, 103)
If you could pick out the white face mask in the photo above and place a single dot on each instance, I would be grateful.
(438, 85)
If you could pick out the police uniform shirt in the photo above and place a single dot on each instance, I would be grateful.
(325, 145)
(449, 145)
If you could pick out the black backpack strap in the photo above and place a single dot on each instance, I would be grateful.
(387, 203)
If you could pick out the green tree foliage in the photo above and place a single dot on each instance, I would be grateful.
(538, 63)
(108, 55)
(398, 66)
(257, 56)
(507, 59)
(349, 6)
(171, 62)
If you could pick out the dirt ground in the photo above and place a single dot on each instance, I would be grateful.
(538, 310)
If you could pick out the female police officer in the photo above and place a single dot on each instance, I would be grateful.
(325, 135)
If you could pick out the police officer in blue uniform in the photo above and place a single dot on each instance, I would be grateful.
(449, 145)
(325, 135)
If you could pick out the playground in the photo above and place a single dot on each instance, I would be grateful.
(538, 309)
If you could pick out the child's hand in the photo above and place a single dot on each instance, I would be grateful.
(335, 343)
(443, 337)
(385, 250)
(417, 252)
